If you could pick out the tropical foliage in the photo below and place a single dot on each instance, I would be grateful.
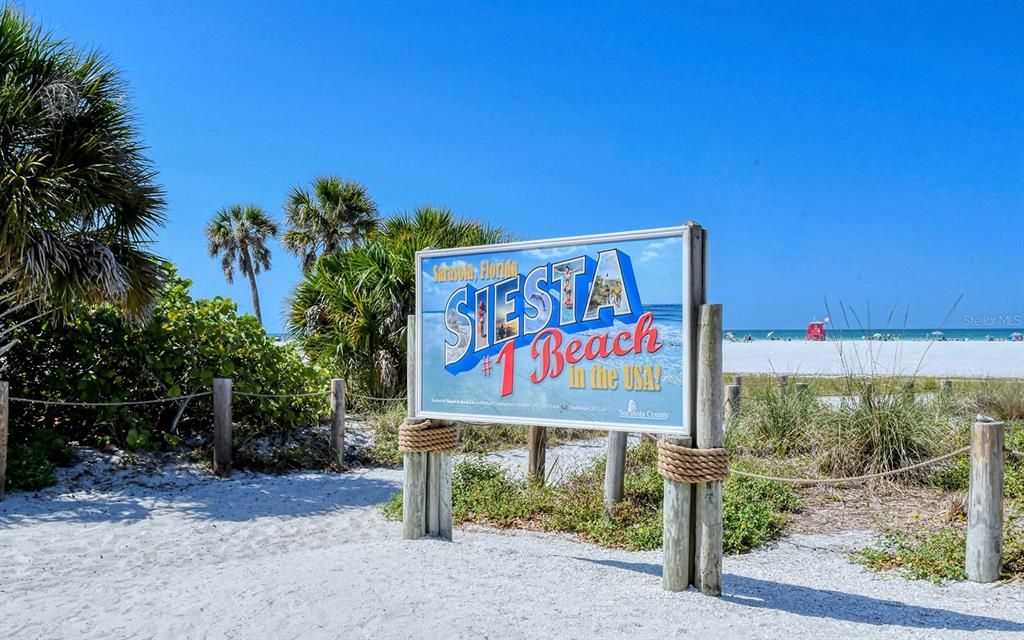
(96, 356)
(239, 235)
(78, 197)
(334, 215)
(349, 313)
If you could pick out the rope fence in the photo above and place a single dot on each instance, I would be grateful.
(869, 476)
(125, 403)
(417, 438)
(853, 479)
(247, 394)
(311, 394)
(377, 399)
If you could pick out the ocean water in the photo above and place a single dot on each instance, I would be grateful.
(835, 333)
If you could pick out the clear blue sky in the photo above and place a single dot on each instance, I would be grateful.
(870, 153)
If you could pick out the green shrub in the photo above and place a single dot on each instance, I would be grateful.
(32, 465)
(754, 512)
(29, 469)
(939, 555)
(95, 355)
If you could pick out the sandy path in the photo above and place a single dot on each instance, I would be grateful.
(954, 359)
(175, 554)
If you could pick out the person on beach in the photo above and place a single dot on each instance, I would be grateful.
(481, 320)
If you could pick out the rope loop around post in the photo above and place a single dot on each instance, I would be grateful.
(424, 436)
(692, 466)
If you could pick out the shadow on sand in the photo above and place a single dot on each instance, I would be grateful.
(835, 605)
(240, 498)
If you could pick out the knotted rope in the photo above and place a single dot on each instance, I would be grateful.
(424, 436)
(683, 464)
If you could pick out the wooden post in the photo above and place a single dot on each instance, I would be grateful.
(946, 387)
(222, 426)
(783, 384)
(4, 427)
(433, 493)
(710, 435)
(678, 535)
(738, 380)
(414, 490)
(538, 446)
(338, 422)
(985, 503)
(614, 470)
(732, 402)
(444, 497)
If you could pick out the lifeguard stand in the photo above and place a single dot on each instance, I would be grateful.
(816, 331)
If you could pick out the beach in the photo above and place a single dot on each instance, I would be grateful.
(170, 552)
(968, 359)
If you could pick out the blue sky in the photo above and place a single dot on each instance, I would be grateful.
(869, 153)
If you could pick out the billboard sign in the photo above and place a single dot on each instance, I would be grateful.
(585, 332)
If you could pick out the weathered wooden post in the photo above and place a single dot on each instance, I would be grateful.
(710, 435)
(4, 428)
(985, 502)
(338, 421)
(222, 426)
(614, 470)
(677, 530)
(414, 491)
(537, 445)
(946, 387)
(443, 492)
(732, 402)
(783, 384)
(738, 380)
(427, 486)
(677, 534)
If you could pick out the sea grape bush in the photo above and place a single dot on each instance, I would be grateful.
(95, 355)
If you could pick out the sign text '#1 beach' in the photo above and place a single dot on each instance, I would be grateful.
(583, 332)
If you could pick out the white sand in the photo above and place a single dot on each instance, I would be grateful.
(176, 554)
(922, 357)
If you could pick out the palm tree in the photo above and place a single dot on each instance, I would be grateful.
(349, 312)
(78, 201)
(337, 214)
(239, 234)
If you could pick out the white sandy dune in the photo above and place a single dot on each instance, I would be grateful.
(863, 357)
(174, 554)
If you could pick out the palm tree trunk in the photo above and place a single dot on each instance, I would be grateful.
(255, 296)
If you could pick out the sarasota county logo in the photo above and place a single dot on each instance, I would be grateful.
(632, 411)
